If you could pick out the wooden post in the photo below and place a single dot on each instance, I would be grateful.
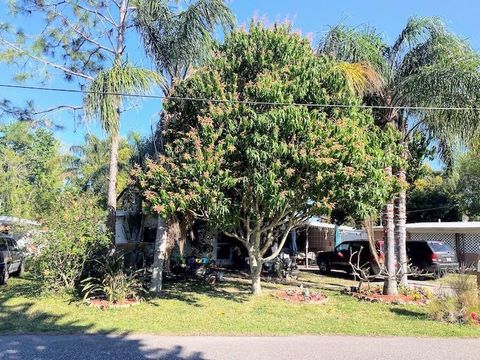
(478, 274)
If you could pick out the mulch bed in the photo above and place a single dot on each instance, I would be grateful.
(375, 295)
(300, 296)
(105, 304)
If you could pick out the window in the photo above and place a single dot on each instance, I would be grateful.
(356, 247)
(343, 247)
(3, 244)
(438, 246)
(12, 244)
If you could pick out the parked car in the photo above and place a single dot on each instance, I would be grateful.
(12, 262)
(432, 257)
(339, 258)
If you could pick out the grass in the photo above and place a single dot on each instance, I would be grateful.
(227, 309)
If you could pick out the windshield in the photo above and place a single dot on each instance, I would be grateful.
(3, 245)
(342, 247)
(438, 246)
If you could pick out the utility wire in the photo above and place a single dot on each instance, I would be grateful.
(243, 102)
(435, 208)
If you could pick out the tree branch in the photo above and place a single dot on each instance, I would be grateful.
(46, 62)
(85, 36)
(413, 129)
(282, 243)
(57, 108)
(236, 236)
(99, 14)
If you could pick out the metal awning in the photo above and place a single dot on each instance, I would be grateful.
(452, 227)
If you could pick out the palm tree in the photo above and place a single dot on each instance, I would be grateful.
(176, 37)
(426, 70)
(89, 164)
(103, 100)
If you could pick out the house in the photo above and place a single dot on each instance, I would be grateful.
(463, 237)
(312, 236)
(134, 228)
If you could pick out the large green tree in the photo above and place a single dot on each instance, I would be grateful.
(433, 197)
(467, 174)
(253, 169)
(424, 72)
(32, 170)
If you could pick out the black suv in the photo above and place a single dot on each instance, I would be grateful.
(339, 258)
(435, 257)
(12, 261)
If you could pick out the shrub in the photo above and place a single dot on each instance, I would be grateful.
(113, 283)
(458, 306)
(75, 234)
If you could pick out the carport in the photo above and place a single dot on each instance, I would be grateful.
(464, 237)
(315, 235)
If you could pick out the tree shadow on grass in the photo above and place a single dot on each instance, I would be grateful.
(190, 291)
(409, 313)
(19, 315)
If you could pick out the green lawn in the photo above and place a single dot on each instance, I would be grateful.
(227, 309)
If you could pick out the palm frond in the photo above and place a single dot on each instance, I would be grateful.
(360, 77)
(176, 39)
(417, 30)
(442, 72)
(105, 94)
(428, 67)
(352, 45)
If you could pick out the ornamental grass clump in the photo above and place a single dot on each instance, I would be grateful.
(114, 283)
(461, 305)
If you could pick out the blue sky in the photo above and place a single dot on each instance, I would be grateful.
(311, 17)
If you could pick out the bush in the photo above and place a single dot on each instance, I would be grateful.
(459, 306)
(113, 283)
(75, 234)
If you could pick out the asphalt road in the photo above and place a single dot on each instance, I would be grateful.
(104, 347)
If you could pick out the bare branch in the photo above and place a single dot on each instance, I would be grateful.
(48, 63)
(99, 14)
(83, 35)
(57, 108)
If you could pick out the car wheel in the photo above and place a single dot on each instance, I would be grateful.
(21, 270)
(438, 274)
(323, 267)
(4, 277)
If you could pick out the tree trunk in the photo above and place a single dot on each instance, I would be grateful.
(112, 185)
(401, 231)
(114, 135)
(390, 285)
(159, 257)
(173, 234)
(401, 209)
(255, 270)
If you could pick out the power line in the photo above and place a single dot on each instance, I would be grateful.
(242, 102)
(435, 208)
